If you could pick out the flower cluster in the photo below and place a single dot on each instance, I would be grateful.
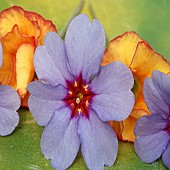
(75, 97)
(153, 132)
(20, 33)
(82, 89)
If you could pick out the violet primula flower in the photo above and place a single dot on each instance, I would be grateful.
(75, 98)
(9, 103)
(153, 132)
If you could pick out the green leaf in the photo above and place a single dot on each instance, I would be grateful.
(21, 151)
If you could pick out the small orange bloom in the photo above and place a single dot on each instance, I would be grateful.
(138, 55)
(20, 33)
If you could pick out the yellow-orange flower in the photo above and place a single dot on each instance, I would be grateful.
(138, 55)
(20, 33)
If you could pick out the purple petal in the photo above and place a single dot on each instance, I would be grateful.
(147, 125)
(99, 143)
(8, 121)
(113, 106)
(154, 101)
(114, 77)
(162, 84)
(42, 110)
(150, 147)
(9, 98)
(46, 69)
(46, 91)
(1, 54)
(60, 141)
(166, 156)
(44, 100)
(85, 44)
(55, 47)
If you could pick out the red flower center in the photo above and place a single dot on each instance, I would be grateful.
(79, 97)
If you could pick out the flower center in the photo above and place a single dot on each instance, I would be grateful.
(79, 97)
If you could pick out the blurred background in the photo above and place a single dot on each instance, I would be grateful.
(149, 18)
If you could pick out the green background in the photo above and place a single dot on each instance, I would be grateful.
(149, 18)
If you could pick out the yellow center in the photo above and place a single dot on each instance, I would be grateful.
(79, 97)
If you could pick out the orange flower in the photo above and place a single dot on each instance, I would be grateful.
(138, 55)
(20, 33)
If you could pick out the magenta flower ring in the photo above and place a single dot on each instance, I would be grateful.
(75, 98)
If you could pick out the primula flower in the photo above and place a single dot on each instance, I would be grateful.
(74, 98)
(139, 56)
(9, 103)
(20, 33)
(153, 132)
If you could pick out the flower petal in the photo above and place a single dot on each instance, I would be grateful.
(114, 77)
(9, 98)
(7, 71)
(99, 143)
(121, 48)
(60, 141)
(114, 106)
(147, 125)
(44, 100)
(44, 25)
(46, 92)
(8, 121)
(24, 67)
(162, 84)
(153, 99)
(1, 54)
(149, 61)
(124, 129)
(127, 132)
(46, 68)
(85, 43)
(56, 49)
(150, 147)
(166, 156)
(15, 16)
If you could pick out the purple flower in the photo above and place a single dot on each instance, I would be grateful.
(9, 103)
(75, 98)
(153, 132)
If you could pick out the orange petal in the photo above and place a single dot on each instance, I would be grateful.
(125, 129)
(129, 124)
(10, 44)
(121, 48)
(24, 67)
(146, 60)
(15, 16)
(24, 101)
(44, 25)
(137, 113)
(117, 127)
(127, 133)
